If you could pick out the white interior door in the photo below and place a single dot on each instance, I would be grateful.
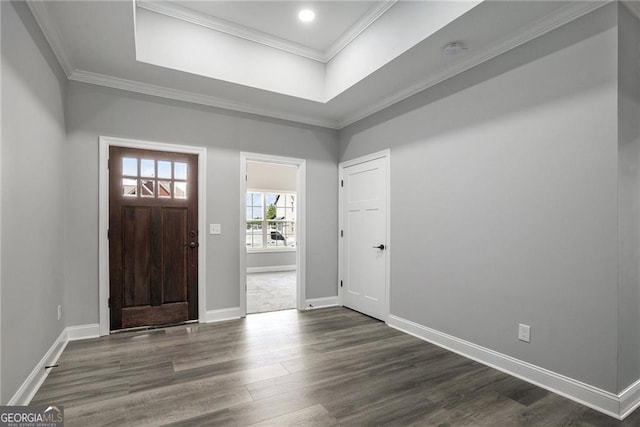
(364, 241)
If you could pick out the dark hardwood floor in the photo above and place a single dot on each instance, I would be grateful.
(324, 367)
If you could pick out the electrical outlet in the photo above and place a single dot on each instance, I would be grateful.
(59, 312)
(524, 332)
(215, 229)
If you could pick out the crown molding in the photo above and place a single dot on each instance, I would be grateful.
(185, 14)
(176, 11)
(572, 11)
(560, 17)
(372, 15)
(196, 98)
(41, 14)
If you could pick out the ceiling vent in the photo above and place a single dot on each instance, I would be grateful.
(453, 48)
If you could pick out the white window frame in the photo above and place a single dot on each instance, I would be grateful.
(266, 249)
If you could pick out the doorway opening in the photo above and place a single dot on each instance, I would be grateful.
(272, 229)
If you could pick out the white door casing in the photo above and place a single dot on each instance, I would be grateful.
(364, 241)
(301, 257)
(103, 219)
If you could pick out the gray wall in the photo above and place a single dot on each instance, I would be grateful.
(33, 196)
(270, 259)
(629, 194)
(505, 205)
(504, 201)
(93, 111)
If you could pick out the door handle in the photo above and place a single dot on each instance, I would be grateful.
(193, 245)
(381, 247)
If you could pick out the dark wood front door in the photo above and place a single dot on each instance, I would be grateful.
(153, 237)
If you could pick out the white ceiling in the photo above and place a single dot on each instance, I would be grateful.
(275, 23)
(279, 18)
(254, 57)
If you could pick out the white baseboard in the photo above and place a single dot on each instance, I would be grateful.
(222, 314)
(83, 332)
(271, 269)
(615, 405)
(314, 303)
(629, 399)
(30, 386)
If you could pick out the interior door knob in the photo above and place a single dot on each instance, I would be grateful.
(380, 246)
(193, 245)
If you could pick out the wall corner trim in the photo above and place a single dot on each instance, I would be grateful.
(615, 405)
(32, 383)
(222, 314)
(314, 303)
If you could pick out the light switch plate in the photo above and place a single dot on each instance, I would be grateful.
(524, 333)
(215, 229)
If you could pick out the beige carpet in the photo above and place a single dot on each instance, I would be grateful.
(271, 291)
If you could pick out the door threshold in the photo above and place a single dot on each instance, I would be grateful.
(364, 314)
(152, 327)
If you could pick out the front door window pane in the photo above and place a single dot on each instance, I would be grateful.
(129, 187)
(164, 189)
(147, 188)
(164, 169)
(180, 190)
(152, 178)
(180, 170)
(147, 168)
(129, 166)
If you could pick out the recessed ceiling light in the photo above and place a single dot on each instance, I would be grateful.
(306, 15)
